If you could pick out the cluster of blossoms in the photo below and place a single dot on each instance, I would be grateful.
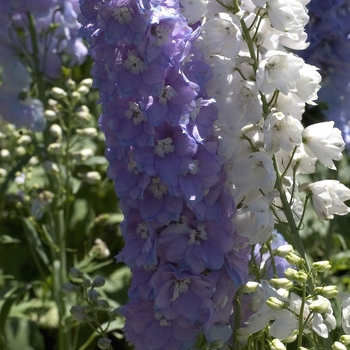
(329, 35)
(202, 108)
(37, 37)
(180, 243)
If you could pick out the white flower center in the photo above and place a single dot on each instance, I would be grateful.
(157, 188)
(161, 32)
(134, 63)
(132, 166)
(180, 287)
(162, 321)
(123, 14)
(142, 231)
(135, 113)
(199, 235)
(195, 112)
(167, 94)
(164, 147)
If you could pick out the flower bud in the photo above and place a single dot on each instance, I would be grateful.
(241, 335)
(5, 154)
(78, 313)
(290, 273)
(275, 304)
(50, 115)
(58, 93)
(345, 339)
(92, 177)
(327, 291)
(322, 266)
(338, 346)
(294, 259)
(284, 249)
(83, 155)
(276, 344)
(291, 338)
(3, 172)
(86, 283)
(102, 305)
(54, 148)
(281, 283)
(92, 295)
(24, 140)
(83, 114)
(50, 167)
(88, 132)
(20, 151)
(104, 343)
(300, 277)
(56, 131)
(250, 287)
(83, 90)
(68, 287)
(71, 84)
(319, 306)
(75, 95)
(99, 281)
(75, 273)
(86, 82)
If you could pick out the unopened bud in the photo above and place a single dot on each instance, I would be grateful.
(88, 132)
(275, 304)
(283, 250)
(322, 266)
(24, 140)
(86, 283)
(345, 339)
(320, 306)
(294, 259)
(92, 295)
(327, 291)
(5, 154)
(75, 273)
(276, 344)
(3, 172)
(290, 273)
(56, 131)
(58, 93)
(50, 115)
(20, 151)
(51, 167)
(83, 155)
(338, 346)
(284, 283)
(71, 84)
(291, 338)
(78, 313)
(54, 148)
(104, 343)
(68, 287)
(83, 90)
(86, 82)
(83, 114)
(99, 281)
(92, 177)
(250, 287)
(300, 277)
(76, 96)
(102, 305)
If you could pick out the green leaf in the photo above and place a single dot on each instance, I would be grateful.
(5, 239)
(35, 241)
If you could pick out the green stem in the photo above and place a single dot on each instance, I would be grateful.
(301, 316)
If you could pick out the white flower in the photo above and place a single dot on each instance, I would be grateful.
(255, 220)
(252, 173)
(321, 324)
(193, 10)
(278, 70)
(222, 35)
(323, 141)
(328, 198)
(281, 131)
(345, 305)
(308, 84)
(285, 323)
